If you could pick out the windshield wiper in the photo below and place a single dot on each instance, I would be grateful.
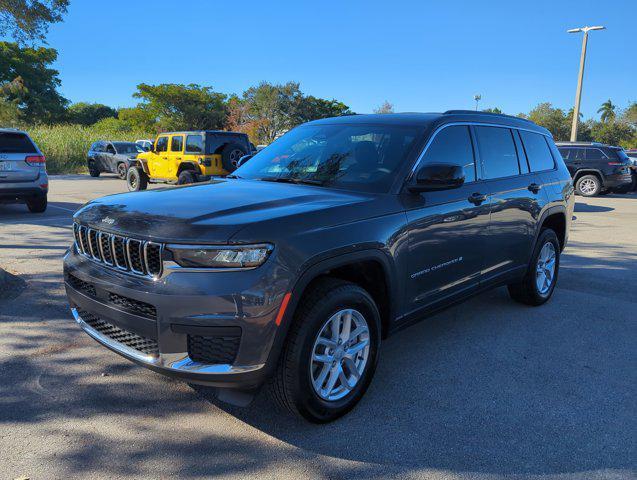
(306, 181)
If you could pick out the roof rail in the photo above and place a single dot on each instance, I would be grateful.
(476, 112)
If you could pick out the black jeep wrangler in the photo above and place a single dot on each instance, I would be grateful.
(292, 270)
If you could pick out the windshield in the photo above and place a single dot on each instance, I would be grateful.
(127, 147)
(358, 157)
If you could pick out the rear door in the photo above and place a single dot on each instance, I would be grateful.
(15, 148)
(108, 160)
(514, 197)
(175, 154)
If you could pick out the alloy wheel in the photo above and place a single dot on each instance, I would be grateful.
(588, 186)
(545, 269)
(340, 354)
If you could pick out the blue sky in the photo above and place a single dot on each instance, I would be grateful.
(419, 55)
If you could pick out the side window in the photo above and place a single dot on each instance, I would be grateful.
(594, 154)
(162, 144)
(110, 149)
(565, 152)
(98, 147)
(194, 144)
(453, 145)
(522, 154)
(176, 143)
(537, 151)
(497, 152)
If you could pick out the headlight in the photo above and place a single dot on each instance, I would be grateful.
(202, 256)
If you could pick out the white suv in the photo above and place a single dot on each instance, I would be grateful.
(23, 175)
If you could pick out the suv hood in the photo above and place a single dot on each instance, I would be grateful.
(214, 212)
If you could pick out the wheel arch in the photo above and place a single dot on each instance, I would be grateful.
(555, 219)
(188, 166)
(588, 171)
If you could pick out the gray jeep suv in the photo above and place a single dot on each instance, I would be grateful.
(23, 175)
(293, 270)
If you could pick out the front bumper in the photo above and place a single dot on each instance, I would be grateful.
(176, 312)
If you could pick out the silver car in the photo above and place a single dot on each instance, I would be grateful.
(23, 175)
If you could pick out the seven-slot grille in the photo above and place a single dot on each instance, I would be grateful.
(128, 254)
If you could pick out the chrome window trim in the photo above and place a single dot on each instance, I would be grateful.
(468, 124)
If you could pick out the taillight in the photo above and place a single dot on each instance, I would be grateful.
(36, 160)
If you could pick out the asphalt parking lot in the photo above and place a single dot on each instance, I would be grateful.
(487, 389)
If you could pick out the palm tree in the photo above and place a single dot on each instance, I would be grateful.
(607, 111)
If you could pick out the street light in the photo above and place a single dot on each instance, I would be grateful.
(578, 94)
(477, 98)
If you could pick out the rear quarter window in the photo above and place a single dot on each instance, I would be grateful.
(537, 151)
(16, 143)
(194, 144)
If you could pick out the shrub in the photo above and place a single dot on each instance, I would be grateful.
(65, 146)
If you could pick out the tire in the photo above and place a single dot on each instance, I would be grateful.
(93, 170)
(230, 156)
(136, 179)
(588, 186)
(527, 291)
(122, 170)
(186, 177)
(292, 385)
(37, 205)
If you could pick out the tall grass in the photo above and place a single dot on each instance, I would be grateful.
(66, 146)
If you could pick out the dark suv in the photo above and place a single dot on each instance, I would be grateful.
(293, 269)
(112, 157)
(596, 168)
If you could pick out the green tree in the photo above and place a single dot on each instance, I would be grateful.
(607, 111)
(183, 107)
(312, 108)
(38, 100)
(386, 107)
(271, 109)
(612, 133)
(553, 119)
(492, 110)
(138, 118)
(29, 20)
(88, 113)
(630, 115)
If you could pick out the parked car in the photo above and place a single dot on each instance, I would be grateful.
(295, 268)
(23, 176)
(188, 157)
(145, 144)
(111, 157)
(596, 167)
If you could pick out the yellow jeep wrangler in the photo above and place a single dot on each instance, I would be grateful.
(188, 157)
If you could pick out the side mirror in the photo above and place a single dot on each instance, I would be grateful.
(441, 176)
(244, 159)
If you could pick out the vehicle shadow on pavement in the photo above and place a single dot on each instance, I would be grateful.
(585, 207)
(495, 387)
(488, 386)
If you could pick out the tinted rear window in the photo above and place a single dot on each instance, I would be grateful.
(194, 144)
(497, 152)
(537, 151)
(15, 143)
(594, 154)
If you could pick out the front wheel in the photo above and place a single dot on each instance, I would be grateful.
(541, 277)
(330, 354)
(93, 170)
(136, 179)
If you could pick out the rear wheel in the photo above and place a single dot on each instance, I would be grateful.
(330, 354)
(121, 170)
(136, 179)
(230, 156)
(37, 205)
(186, 177)
(541, 277)
(588, 185)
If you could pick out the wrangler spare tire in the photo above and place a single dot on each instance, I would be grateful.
(230, 156)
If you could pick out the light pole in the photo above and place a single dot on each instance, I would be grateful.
(477, 98)
(582, 61)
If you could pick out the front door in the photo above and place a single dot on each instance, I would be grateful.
(158, 162)
(447, 229)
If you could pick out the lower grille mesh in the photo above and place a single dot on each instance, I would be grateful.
(81, 286)
(135, 306)
(213, 350)
(144, 345)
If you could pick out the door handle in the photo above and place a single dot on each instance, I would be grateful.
(534, 187)
(477, 198)
(177, 158)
